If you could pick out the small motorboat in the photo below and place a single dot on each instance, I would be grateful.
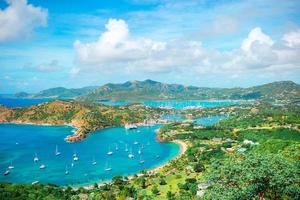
(6, 173)
(42, 166)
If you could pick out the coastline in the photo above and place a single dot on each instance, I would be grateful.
(183, 147)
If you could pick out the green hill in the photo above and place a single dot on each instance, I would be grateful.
(61, 92)
(283, 91)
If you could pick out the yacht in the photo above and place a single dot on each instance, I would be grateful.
(126, 148)
(109, 152)
(42, 166)
(35, 159)
(72, 164)
(11, 166)
(130, 126)
(135, 142)
(130, 155)
(57, 153)
(6, 172)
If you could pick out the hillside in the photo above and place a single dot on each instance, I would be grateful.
(284, 91)
(57, 92)
(85, 117)
(276, 92)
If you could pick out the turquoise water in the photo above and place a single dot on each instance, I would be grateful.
(19, 143)
(20, 102)
(209, 120)
(178, 104)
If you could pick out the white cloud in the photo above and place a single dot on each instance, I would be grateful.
(256, 36)
(52, 66)
(19, 19)
(116, 50)
(292, 39)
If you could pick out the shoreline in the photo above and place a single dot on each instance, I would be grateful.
(183, 147)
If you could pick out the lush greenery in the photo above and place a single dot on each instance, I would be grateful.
(253, 154)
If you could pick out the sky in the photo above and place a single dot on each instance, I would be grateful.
(220, 43)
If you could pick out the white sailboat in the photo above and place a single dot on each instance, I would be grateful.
(75, 157)
(35, 158)
(107, 167)
(126, 148)
(42, 166)
(109, 152)
(57, 153)
(66, 171)
(130, 155)
(117, 148)
(135, 142)
(11, 166)
(94, 161)
(140, 150)
(141, 160)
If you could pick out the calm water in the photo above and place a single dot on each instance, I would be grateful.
(178, 104)
(19, 143)
(20, 102)
(209, 120)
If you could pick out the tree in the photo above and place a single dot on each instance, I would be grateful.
(253, 176)
(155, 190)
(199, 167)
(162, 181)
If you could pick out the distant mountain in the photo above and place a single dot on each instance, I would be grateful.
(22, 95)
(278, 92)
(61, 92)
(283, 91)
(58, 92)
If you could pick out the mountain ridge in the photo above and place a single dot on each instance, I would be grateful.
(134, 90)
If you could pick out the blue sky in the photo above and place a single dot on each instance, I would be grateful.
(50, 43)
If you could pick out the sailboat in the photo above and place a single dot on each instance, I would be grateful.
(6, 172)
(72, 164)
(135, 142)
(42, 166)
(139, 151)
(35, 159)
(107, 167)
(75, 157)
(126, 148)
(57, 153)
(109, 152)
(67, 171)
(11, 166)
(94, 162)
(141, 160)
(117, 148)
(130, 155)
